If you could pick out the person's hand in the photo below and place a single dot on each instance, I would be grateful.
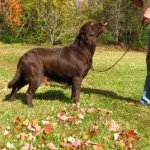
(139, 3)
(146, 17)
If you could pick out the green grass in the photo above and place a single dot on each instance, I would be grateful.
(113, 91)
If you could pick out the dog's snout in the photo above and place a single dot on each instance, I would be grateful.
(105, 23)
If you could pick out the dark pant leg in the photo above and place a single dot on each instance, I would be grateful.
(147, 81)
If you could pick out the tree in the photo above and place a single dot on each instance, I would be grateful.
(40, 21)
(13, 12)
(57, 17)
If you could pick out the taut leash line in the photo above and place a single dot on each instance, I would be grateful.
(114, 63)
(127, 50)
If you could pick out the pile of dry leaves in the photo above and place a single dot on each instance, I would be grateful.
(33, 134)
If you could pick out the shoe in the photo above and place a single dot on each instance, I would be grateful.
(145, 100)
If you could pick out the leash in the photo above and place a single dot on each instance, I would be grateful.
(143, 25)
(127, 50)
(112, 66)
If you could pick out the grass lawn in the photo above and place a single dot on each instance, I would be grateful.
(108, 100)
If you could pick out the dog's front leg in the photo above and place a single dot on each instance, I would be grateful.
(76, 87)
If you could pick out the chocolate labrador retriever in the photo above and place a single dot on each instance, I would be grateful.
(69, 64)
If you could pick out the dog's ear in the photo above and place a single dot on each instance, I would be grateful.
(85, 27)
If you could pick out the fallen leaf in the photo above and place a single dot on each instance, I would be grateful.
(131, 135)
(17, 120)
(8, 128)
(62, 115)
(66, 146)
(10, 136)
(55, 125)
(73, 119)
(38, 128)
(6, 132)
(88, 142)
(78, 122)
(26, 122)
(93, 130)
(64, 118)
(82, 110)
(10, 146)
(121, 143)
(47, 129)
(48, 118)
(71, 139)
(51, 146)
(91, 110)
(81, 116)
(30, 137)
(134, 103)
(84, 146)
(129, 145)
(85, 136)
(77, 143)
(27, 146)
(34, 122)
(30, 128)
(18, 128)
(43, 140)
(45, 122)
(113, 126)
(22, 137)
(116, 136)
(38, 133)
(126, 139)
(98, 147)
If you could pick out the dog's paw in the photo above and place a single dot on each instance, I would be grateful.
(30, 105)
(75, 100)
(12, 99)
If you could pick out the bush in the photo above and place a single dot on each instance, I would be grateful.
(106, 38)
(142, 41)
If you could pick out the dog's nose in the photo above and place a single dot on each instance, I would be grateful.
(106, 23)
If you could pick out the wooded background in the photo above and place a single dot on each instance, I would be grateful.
(58, 21)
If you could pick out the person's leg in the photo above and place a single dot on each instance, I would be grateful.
(146, 96)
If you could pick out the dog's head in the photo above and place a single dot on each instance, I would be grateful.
(93, 29)
(90, 31)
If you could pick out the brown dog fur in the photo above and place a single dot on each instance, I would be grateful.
(69, 64)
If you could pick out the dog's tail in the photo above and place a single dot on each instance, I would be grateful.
(16, 78)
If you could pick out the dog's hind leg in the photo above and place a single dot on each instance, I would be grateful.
(16, 88)
(76, 86)
(13, 93)
(33, 86)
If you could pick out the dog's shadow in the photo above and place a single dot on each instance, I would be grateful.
(107, 93)
(48, 95)
(59, 95)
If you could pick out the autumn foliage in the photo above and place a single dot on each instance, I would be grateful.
(13, 12)
(59, 20)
